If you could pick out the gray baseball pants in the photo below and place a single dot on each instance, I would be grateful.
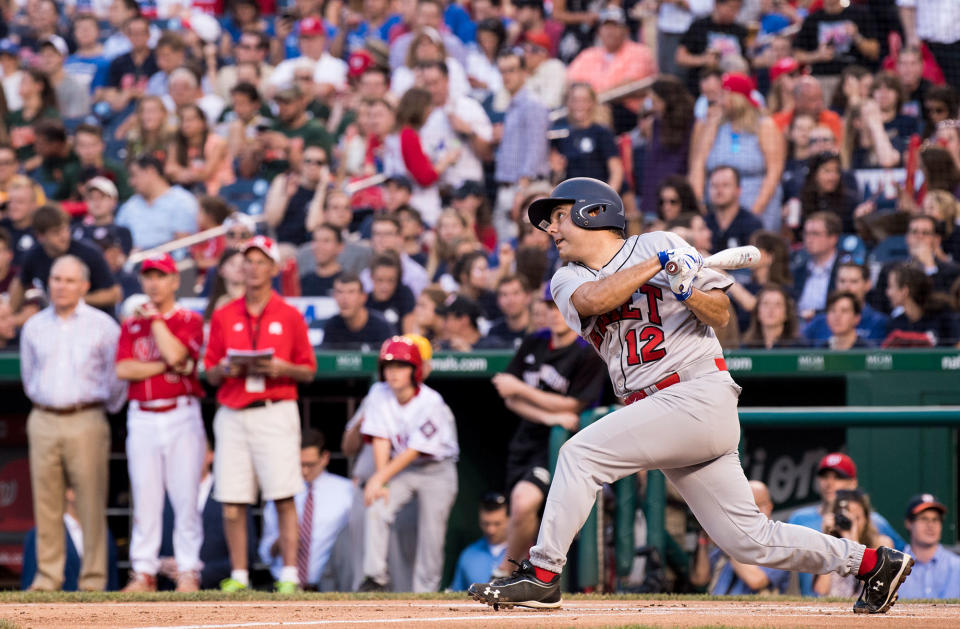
(690, 431)
(435, 486)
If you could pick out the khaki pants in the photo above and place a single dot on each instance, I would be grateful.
(69, 451)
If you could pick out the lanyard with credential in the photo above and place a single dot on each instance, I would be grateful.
(254, 334)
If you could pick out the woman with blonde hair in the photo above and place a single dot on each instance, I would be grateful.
(149, 133)
(739, 135)
(451, 227)
(773, 322)
(945, 209)
(427, 46)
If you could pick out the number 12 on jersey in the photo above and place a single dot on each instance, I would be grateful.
(644, 346)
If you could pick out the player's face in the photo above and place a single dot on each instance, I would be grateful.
(566, 236)
(926, 528)
(159, 287)
(398, 376)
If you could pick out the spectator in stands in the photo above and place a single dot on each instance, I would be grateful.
(783, 78)
(428, 14)
(295, 200)
(945, 209)
(21, 203)
(7, 269)
(427, 48)
(808, 99)
(848, 517)
(675, 197)
(197, 158)
(478, 560)
(149, 132)
(472, 273)
(710, 39)
(108, 240)
(87, 63)
(213, 552)
(252, 47)
(9, 332)
(8, 168)
(917, 310)
(936, 24)
(73, 534)
(415, 448)
(67, 355)
(185, 88)
(354, 326)
(925, 246)
(461, 332)
(426, 320)
(293, 130)
(56, 157)
(158, 212)
(836, 471)
(72, 94)
(452, 227)
(454, 119)
(323, 504)
(326, 246)
(513, 300)
(12, 73)
(936, 573)
(521, 157)
(213, 212)
(547, 74)
(51, 225)
(589, 149)
(389, 296)
(758, 156)
(815, 269)
(228, 283)
(385, 237)
(865, 140)
(726, 576)
(940, 103)
(824, 191)
(843, 318)
(39, 102)
(773, 322)
(729, 222)
(836, 36)
(92, 161)
(129, 72)
(854, 279)
(807, 140)
(413, 230)
(329, 73)
(666, 154)
(397, 192)
(170, 54)
(257, 427)
(940, 171)
(692, 227)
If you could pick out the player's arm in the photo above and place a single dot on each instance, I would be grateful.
(170, 347)
(526, 410)
(135, 370)
(712, 307)
(600, 296)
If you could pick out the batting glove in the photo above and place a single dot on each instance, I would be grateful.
(681, 266)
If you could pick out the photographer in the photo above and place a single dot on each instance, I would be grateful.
(848, 517)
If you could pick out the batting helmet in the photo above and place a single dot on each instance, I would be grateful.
(595, 205)
(402, 350)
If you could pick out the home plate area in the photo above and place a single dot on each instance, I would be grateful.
(580, 612)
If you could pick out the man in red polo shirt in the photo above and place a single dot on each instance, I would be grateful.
(157, 353)
(257, 428)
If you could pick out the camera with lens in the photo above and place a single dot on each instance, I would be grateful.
(841, 522)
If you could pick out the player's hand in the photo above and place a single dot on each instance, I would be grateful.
(375, 490)
(681, 266)
(570, 421)
(184, 367)
(507, 385)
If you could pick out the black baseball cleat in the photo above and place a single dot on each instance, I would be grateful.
(371, 585)
(521, 589)
(880, 585)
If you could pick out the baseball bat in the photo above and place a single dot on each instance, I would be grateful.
(733, 258)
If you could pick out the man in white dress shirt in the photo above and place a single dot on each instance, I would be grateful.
(67, 354)
(323, 507)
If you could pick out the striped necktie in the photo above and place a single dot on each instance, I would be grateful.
(305, 533)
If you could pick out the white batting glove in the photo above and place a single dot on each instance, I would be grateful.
(681, 266)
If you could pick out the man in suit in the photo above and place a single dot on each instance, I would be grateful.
(74, 545)
(213, 553)
(815, 270)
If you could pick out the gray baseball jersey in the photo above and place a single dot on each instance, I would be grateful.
(650, 336)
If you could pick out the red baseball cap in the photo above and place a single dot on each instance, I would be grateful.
(162, 262)
(784, 66)
(264, 244)
(740, 84)
(311, 27)
(839, 463)
(359, 62)
(538, 38)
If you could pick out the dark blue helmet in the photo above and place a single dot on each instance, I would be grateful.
(595, 205)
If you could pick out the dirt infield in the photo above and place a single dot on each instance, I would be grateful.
(444, 614)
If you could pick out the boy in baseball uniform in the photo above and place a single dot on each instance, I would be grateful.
(655, 333)
(157, 353)
(415, 450)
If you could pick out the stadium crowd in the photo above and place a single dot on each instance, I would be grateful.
(379, 157)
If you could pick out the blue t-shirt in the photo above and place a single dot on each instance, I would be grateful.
(475, 565)
(727, 583)
(359, 35)
(810, 517)
(90, 69)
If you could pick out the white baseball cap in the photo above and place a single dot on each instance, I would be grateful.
(104, 185)
(58, 43)
(264, 244)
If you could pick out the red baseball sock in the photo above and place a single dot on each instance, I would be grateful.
(868, 563)
(545, 575)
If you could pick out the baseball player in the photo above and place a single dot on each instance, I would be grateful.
(166, 442)
(257, 428)
(415, 451)
(655, 333)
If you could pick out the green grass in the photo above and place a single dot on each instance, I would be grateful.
(10, 597)
(8, 624)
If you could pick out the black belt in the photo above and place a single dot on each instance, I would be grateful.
(261, 404)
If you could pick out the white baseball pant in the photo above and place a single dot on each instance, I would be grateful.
(435, 486)
(165, 453)
(690, 431)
